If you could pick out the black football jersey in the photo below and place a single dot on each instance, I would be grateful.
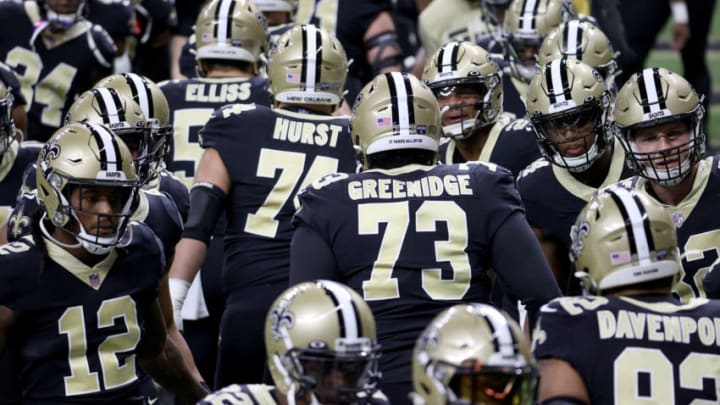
(169, 184)
(516, 146)
(116, 17)
(52, 70)
(553, 199)
(276, 153)
(12, 165)
(78, 328)
(698, 226)
(348, 20)
(412, 241)
(513, 153)
(192, 102)
(631, 350)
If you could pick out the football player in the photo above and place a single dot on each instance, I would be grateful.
(15, 156)
(279, 17)
(79, 297)
(256, 159)
(627, 340)
(19, 116)
(468, 86)
(473, 354)
(412, 237)
(584, 41)
(366, 31)
(451, 20)
(154, 105)
(526, 24)
(228, 67)
(568, 107)
(56, 53)
(127, 120)
(321, 349)
(659, 117)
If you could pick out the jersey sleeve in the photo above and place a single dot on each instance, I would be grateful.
(565, 331)
(498, 195)
(516, 146)
(102, 47)
(317, 204)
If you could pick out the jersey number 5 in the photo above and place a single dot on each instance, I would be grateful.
(396, 215)
(72, 323)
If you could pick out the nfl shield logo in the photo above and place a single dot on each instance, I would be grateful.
(678, 219)
(94, 279)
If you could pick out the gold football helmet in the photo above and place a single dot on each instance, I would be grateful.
(154, 105)
(308, 66)
(395, 111)
(473, 354)
(584, 41)
(466, 65)
(288, 6)
(7, 125)
(230, 30)
(526, 24)
(569, 95)
(320, 336)
(657, 96)
(85, 155)
(623, 238)
(123, 116)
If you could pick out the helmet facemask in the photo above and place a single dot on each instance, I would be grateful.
(482, 90)
(335, 376)
(587, 122)
(658, 165)
(139, 141)
(477, 384)
(522, 55)
(61, 21)
(67, 217)
(7, 124)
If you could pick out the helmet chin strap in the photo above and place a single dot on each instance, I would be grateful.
(48, 235)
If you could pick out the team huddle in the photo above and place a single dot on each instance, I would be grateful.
(288, 225)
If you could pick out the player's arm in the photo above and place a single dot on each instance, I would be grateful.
(311, 258)
(7, 318)
(381, 44)
(162, 360)
(207, 196)
(561, 384)
(173, 333)
(549, 249)
(525, 275)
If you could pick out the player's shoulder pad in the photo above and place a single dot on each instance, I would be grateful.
(161, 199)
(22, 246)
(101, 45)
(573, 306)
(533, 167)
(521, 124)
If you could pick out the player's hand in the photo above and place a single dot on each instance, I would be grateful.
(178, 291)
(680, 35)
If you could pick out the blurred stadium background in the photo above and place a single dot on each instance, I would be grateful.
(662, 55)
